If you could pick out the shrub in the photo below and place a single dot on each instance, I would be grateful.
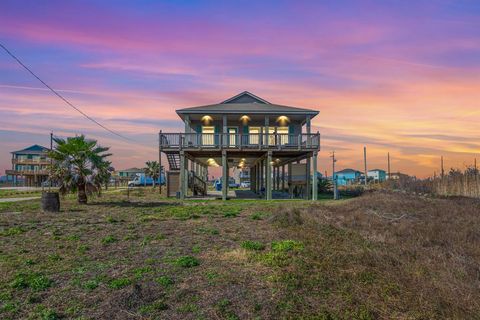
(91, 284)
(187, 262)
(252, 245)
(256, 216)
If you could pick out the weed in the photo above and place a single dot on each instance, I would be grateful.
(91, 284)
(73, 237)
(109, 239)
(196, 249)
(256, 216)
(110, 219)
(12, 231)
(207, 230)
(119, 283)
(252, 245)
(157, 305)
(35, 281)
(164, 281)
(140, 272)
(54, 257)
(287, 245)
(187, 308)
(187, 262)
(83, 248)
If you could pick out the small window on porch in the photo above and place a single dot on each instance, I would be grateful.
(208, 135)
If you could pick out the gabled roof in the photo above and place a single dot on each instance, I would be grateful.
(248, 103)
(33, 149)
(376, 170)
(245, 97)
(348, 171)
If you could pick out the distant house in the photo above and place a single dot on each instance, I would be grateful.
(29, 165)
(129, 173)
(397, 175)
(347, 176)
(377, 175)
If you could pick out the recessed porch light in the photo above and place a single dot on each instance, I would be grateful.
(206, 120)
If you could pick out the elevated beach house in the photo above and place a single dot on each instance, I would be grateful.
(29, 165)
(275, 142)
(347, 177)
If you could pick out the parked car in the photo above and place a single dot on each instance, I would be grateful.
(141, 180)
(245, 184)
(232, 183)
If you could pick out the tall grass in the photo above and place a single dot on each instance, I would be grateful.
(454, 183)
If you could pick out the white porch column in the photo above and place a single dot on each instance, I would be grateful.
(225, 131)
(309, 177)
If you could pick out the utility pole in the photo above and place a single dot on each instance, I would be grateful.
(365, 162)
(388, 159)
(50, 185)
(160, 162)
(334, 180)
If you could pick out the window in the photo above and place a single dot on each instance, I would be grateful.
(208, 135)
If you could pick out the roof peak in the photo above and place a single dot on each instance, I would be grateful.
(33, 148)
(245, 97)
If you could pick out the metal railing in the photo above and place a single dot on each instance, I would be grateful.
(30, 161)
(240, 141)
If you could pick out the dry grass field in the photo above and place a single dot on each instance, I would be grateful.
(378, 256)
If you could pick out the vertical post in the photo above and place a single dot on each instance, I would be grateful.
(225, 131)
(309, 130)
(315, 178)
(283, 177)
(278, 178)
(290, 186)
(51, 160)
(365, 162)
(182, 175)
(160, 162)
(309, 177)
(224, 175)
(334, 178)
(388, 159)
(267, 123)
(268, 165)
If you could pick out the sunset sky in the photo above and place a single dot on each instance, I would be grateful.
(397, 76)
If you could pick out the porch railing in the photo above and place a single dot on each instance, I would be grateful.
(240, 141)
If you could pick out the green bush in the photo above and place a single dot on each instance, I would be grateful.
(164, 281)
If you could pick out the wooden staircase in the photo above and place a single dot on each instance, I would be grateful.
(173, 160)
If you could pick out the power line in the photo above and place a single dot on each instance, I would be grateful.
(61, 97)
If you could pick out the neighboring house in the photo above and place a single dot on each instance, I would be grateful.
(129, 173)
(29, 165)
(377, 175)
(244, 131)
(347, 177)
(397, 176)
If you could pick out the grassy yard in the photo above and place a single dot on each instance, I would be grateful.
(379, 256)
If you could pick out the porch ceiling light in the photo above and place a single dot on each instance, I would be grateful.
(244, 119)
(283, 120)
(206, 120)
(212, 163)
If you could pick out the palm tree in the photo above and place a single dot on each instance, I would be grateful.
(79, 165)
(151, 170)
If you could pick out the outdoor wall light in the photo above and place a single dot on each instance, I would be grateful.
(283, 120)
(244, 119)
(212, 163)
(206, 120)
